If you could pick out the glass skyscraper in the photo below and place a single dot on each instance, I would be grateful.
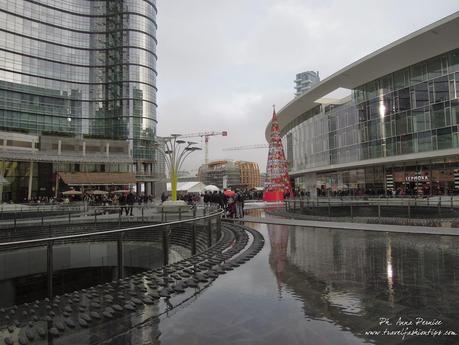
(81, 69)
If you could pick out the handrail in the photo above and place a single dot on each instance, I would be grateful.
(48, 239)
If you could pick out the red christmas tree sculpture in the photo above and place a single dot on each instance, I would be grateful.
(277, 181)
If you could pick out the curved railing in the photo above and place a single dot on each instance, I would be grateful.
(175, 239)
(60, 215)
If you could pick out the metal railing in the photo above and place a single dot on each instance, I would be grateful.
(196, 234)
(407, 207)
(60, 215)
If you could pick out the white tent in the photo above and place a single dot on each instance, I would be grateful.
(188, 187)
(212, 188)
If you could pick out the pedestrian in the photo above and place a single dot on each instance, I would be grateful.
(130, 201)
(239, 198)
(122, 202)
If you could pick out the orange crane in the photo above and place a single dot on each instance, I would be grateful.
(247, 147)
(206, 136)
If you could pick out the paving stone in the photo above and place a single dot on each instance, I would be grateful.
(70, 323)
(95, 315)
(54, 332)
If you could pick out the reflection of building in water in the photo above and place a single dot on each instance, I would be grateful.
(354, 277)
(278, 238)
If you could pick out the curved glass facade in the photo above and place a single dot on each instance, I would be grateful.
(414, 110)
(80, 67)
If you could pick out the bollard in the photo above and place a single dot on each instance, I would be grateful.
(180, 213)
(42, 220)
(162, 215)
(352, 213)
(194, 211)
(14, 220)
(379, 213)
(409, 210)
(49, 268)
(70, 218)
(120, 255)
(142, 213)
(329, 210)
(452, 201)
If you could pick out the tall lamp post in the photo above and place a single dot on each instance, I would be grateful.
(175, 151)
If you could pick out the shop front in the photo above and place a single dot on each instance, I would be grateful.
(420, 179)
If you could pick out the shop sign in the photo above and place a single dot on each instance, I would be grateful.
(417, 178)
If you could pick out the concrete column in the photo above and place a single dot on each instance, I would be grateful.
(29, 192)
(107, 149)
(59, 147)
(147, 188)
(57, 185)
(1, 184)
(84, 148)
(138, 187)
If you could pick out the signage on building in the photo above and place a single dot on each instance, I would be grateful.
(417, 178)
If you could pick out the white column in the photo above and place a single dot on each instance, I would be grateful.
(107, 149)
(29, 192)
(59, 147)
(84, 148)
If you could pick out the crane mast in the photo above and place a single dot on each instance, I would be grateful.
(206, 136)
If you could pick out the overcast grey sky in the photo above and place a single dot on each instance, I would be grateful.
(222, 64)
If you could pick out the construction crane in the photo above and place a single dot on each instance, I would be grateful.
(247, 147)
(206, 136)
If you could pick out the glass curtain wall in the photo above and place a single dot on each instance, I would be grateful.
(409, 111)
(78, 67)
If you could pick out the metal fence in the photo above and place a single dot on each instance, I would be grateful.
(125, 247)
(406, 207)
(61, 215)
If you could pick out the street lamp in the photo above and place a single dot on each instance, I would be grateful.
(175, 151)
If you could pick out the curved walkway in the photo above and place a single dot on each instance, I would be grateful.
(98, 315)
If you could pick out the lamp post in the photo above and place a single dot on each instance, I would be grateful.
(175, 151)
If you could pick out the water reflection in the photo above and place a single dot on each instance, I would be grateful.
(353, 278)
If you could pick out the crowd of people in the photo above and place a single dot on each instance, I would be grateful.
(231, 202)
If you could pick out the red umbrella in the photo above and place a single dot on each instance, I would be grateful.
(229, 193)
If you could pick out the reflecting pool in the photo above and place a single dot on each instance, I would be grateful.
(326, 286)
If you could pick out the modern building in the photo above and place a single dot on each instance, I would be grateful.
(397, 133)
(77, 94)
(230, 173)
(304, 81)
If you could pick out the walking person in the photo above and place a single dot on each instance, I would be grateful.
(239, 204)
(122, 202)
(130, 201)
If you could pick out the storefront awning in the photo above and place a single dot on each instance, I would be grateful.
(97, 179)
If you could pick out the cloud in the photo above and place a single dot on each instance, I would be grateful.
(222, 64)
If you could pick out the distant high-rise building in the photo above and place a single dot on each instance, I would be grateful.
(237, 174)
(77, 95)
(305, 80)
